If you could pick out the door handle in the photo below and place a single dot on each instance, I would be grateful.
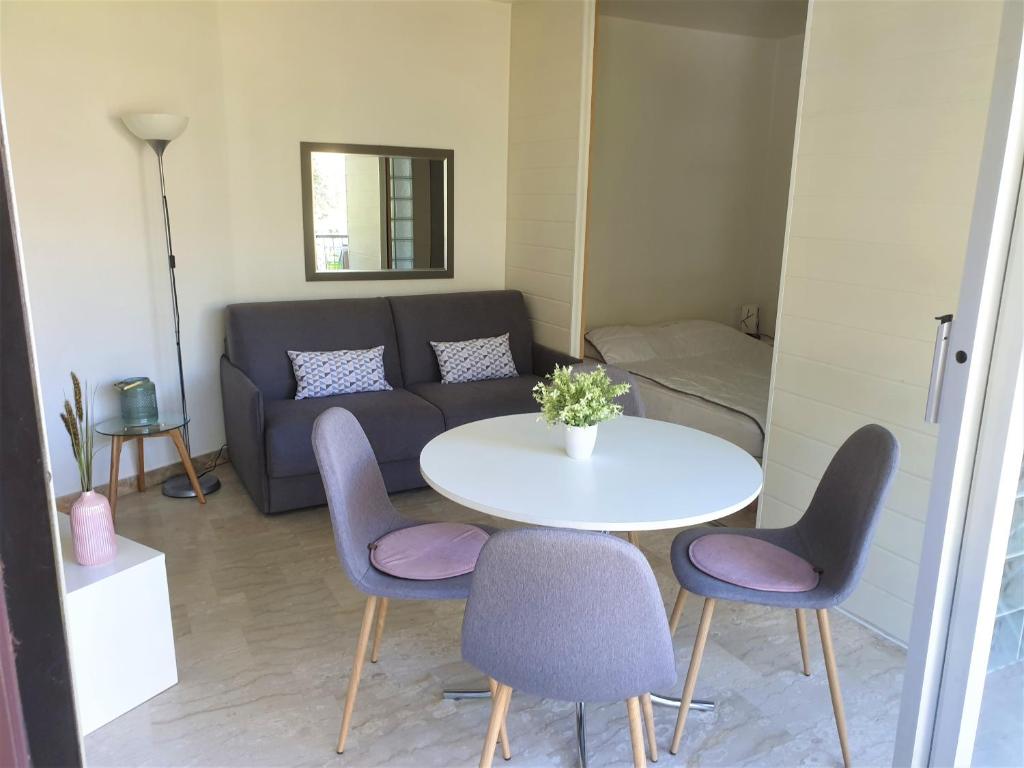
(939, 355)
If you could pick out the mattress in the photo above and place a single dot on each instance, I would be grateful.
(666, 404)
(696, 373)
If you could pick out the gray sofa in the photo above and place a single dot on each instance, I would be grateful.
(268, 431)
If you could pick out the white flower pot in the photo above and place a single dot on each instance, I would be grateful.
(579, 441)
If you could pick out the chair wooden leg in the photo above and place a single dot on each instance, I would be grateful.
(498, 708)
(833, 683)
(382, 614)
(506, 745)
(648, 711)
(691, 674)
(677, 612)
(636, 734)
(632, 538)
(801, 631)
(357, 671)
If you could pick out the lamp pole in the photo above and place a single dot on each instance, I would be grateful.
(158, 130)
(158, 146)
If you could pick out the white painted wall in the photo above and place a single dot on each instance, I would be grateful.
(549, 82)
(256, 79)
(692, 144)
(890, 132)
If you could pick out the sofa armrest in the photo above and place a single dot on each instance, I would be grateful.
(545, 359)
(243, 424)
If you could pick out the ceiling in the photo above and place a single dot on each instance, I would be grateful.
(757, 18)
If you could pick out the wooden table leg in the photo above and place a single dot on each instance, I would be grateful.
(186, 460)
(115, 469)
(140, 477)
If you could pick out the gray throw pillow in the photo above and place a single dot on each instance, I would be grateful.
(474, 360)
(320, 374)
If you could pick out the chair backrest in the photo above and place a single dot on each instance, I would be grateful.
(567, 615)
(361, 511)
(632, 404)
(837, 528)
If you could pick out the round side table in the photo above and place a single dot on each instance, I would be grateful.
(169, 425)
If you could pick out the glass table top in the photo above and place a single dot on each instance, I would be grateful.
(117, 427)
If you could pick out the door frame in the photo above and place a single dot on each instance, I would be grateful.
(940, 690)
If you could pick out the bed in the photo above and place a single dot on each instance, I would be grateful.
(698, 373)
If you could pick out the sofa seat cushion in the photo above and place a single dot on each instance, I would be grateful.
(397, 423)
(475, 400)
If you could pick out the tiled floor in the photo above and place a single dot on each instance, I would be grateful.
(266, 625)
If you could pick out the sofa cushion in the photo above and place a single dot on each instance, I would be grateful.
(474, 360)
(475, 400)
(259, 336)
(420, 320)
(397, 423)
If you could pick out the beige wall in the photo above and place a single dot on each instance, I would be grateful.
(256, 79)
(549, 83)
(890, 132)
(693, 134)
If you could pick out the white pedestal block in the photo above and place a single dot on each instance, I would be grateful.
(118, 619)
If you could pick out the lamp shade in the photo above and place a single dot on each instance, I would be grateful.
(155, 126)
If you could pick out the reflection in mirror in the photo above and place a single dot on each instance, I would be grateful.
(376, 212)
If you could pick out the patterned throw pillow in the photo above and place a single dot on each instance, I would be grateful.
(474, 360)
(343, 372)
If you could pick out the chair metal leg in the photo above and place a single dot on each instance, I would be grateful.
(833, 683)
(691, 674)
(581, 733)
(648, 712)
(357, 671)
(506, 746)
(636, 735)
(677, 612)
(382, 614)
(498, 708)
(801, 631)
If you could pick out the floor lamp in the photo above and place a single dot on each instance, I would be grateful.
(159, 130)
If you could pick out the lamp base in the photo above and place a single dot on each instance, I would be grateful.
(179, 486)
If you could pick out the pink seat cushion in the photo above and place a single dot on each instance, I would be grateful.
(752, 563)
(428, 551)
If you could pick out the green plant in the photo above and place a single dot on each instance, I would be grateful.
(78, 422)
(579, 399)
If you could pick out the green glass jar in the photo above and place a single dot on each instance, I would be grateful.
(138, 401)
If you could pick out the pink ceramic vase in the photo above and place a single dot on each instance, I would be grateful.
(92, 529)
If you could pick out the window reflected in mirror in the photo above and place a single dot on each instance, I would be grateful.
(376, 212)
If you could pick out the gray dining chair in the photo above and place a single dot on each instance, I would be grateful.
(361, 513)
(834, 536)
(568, 615)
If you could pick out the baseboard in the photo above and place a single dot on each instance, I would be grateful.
(153, 477)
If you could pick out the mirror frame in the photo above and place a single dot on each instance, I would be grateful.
(306, 148)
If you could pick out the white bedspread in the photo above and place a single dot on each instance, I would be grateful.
(699, 358)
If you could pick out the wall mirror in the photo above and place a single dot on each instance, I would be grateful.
(377, 213)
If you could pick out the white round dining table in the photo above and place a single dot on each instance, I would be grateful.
(644, 475)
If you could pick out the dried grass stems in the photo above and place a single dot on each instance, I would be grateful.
(77, 420)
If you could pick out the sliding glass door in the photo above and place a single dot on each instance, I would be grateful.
(963, 699)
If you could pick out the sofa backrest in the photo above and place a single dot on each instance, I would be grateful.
(420, 320)
(259, 336)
